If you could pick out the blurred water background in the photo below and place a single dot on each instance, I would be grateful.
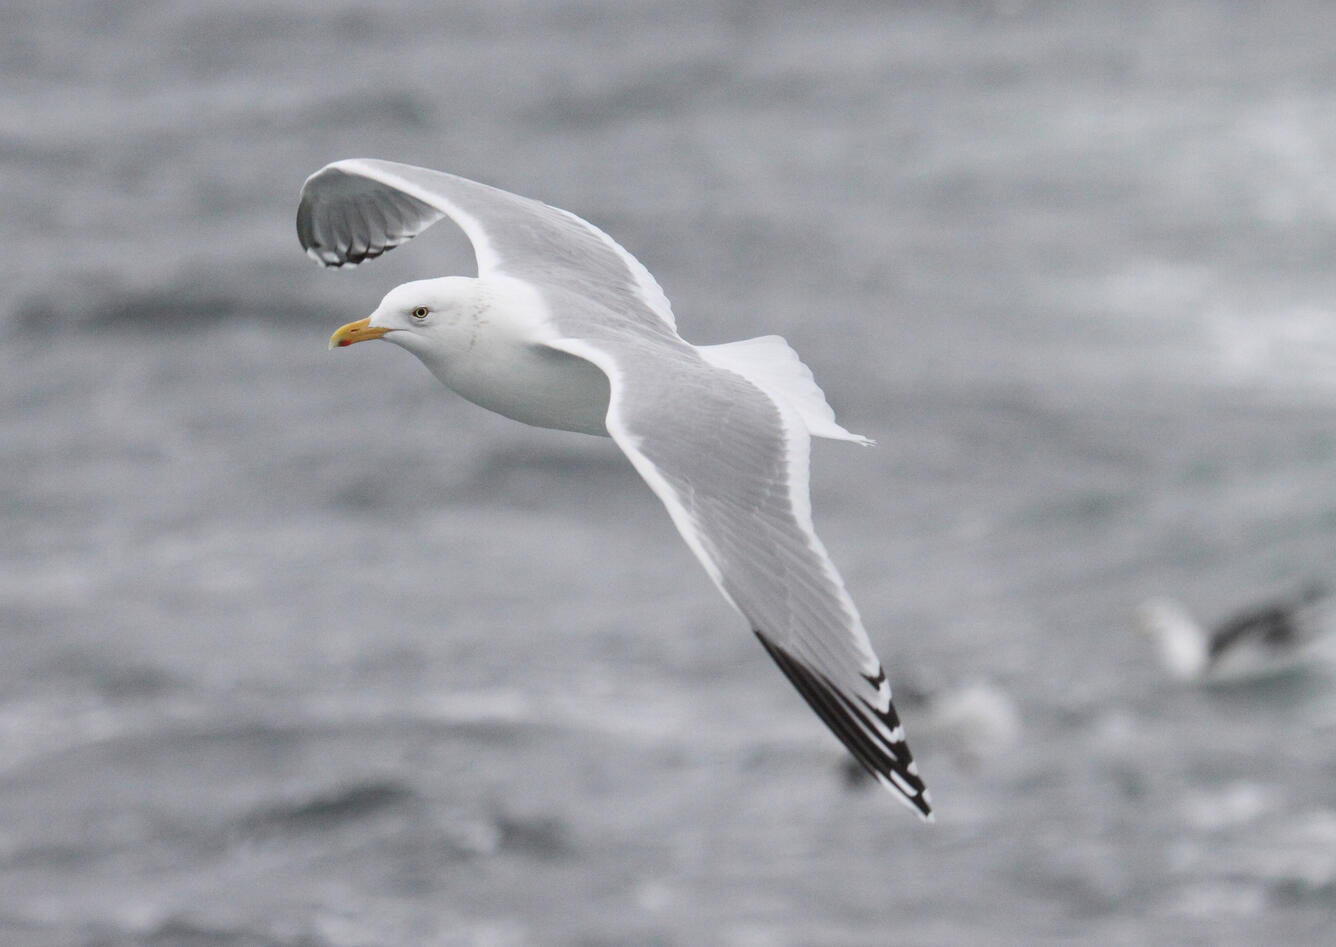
(299, 649)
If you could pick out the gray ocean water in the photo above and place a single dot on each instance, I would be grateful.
(298, 649)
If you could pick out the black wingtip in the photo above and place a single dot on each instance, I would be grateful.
(861, 728)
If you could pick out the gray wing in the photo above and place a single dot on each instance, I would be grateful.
(359, 208)
(731, 465)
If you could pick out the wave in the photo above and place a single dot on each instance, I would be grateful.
(175, 308)
(325, 810)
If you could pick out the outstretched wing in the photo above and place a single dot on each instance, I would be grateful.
(359, 208)
(731, 465)
(729, 461)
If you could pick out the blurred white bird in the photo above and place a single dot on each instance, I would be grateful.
(972, 723)
(1263, 640)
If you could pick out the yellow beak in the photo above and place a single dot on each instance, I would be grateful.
(359, 331)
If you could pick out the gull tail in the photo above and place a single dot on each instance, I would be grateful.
(770, 364)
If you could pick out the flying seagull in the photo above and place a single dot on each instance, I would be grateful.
(1259, 641)
(562, 328)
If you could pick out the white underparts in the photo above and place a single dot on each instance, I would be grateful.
(495, 354)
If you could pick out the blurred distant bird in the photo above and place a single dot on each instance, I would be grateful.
(972, 723)
(1265, 639)
(564, 329)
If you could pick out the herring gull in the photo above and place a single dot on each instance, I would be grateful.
(562, 328)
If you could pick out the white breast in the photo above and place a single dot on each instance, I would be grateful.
(501, 363)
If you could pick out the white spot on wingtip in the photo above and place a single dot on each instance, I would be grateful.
(903, 786)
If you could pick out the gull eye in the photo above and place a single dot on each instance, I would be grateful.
(420, 312)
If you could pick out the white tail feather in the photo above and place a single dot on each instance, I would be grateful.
(771, 365)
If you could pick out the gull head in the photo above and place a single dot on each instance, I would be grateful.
(424, 316)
